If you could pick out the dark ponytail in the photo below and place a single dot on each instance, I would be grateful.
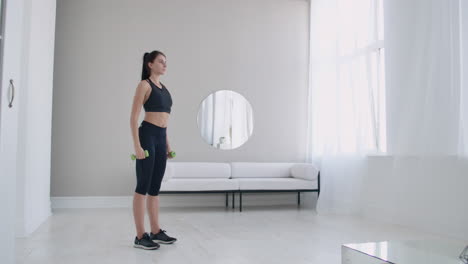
(147, 58)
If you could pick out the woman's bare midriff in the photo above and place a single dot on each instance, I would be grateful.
(157, 118)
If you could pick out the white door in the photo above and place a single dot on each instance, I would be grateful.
(10, 93)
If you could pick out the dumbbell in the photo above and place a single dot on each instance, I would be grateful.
(133, 156)
(172, 154)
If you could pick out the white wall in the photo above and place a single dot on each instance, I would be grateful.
(35, 121)
(464, 64)
(257, 48)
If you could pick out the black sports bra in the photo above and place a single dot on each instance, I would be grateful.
(160, 100)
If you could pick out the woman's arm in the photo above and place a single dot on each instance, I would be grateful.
(138, 99)
(168, 146)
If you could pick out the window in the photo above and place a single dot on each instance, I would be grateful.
(347, 77)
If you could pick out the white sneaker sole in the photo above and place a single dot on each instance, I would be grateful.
(143, 247)
(164, 242)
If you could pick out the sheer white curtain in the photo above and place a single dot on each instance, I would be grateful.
(205, 119)
(346, 77)
(225, 114)
(242, 120)
(215, 118)
(413, 110)
(346, 96)
(222, 118)
(423, 181)
(424, 80)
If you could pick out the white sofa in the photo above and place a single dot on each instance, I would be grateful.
(240, 177)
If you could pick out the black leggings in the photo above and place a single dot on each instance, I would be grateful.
(150, 171)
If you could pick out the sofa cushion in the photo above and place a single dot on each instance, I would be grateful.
(261, 169)
(304, 171)
(199, 170)
(167, 172)
(275, 184)
(199, 185)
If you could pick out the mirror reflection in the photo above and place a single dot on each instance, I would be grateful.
(225, 119)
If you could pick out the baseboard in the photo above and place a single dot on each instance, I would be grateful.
(91, 202)
(184, 200)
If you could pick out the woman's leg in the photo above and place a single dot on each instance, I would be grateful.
(144, 172)
(139, 213)
(158, 174)
(152, 203)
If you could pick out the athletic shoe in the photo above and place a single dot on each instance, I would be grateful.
(145, 242)
(162, 238)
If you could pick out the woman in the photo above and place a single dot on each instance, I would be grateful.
(151, 136)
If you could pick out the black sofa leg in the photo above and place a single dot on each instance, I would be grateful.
(299, 198)
(233, 195)
(227, 200)
(240, 202)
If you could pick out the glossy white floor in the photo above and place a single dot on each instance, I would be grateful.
(266, 234)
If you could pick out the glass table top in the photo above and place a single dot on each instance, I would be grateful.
(412, 251)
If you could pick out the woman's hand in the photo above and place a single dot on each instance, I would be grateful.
(140, 153)
(168, 151)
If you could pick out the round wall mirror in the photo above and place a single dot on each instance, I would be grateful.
(225, 119)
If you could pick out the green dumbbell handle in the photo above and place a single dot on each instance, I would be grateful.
(133, 156)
